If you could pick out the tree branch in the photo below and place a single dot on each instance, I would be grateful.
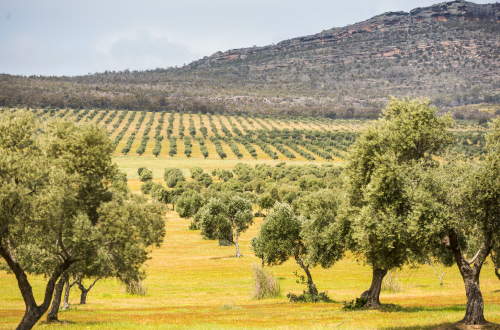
(470, 262)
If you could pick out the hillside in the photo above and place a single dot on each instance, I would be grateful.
(448, 52)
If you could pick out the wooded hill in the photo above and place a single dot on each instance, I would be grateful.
(448, 52)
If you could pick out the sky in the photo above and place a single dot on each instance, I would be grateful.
(65, 37)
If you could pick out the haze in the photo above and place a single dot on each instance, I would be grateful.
(42, 37)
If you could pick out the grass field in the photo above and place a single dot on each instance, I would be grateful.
(195, 284)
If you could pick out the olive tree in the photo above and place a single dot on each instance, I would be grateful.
(225, 218)
(377, 207)
(57, 207)
(279, 239)
(465, 202)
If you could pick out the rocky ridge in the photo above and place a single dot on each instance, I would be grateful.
(442, 12)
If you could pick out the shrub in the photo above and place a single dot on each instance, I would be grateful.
(136, 288)
(146, 187)
(359, 304)
(307, 297)
(266, 285)
(391, 283)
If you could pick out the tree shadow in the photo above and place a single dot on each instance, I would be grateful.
(448, 326)
(390, 308)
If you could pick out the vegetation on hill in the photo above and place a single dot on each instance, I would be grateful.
(448, 52)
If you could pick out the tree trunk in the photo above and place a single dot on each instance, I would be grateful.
(67, 289)
(66, 296)
(474, 313)
(470, 270)
(372, 295)
(310, 284)
(496, 273)
(56, 301)
(33, 312)
(83, 297)
(236, 243)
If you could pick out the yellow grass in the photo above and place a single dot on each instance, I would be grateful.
(194, 283)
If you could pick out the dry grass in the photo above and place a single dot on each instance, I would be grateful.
(190, 280)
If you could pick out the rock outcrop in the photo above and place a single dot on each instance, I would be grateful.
(453, 10)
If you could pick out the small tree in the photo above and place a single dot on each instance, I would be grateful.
(172, 176)
(145, 175)
(224, 219)
(279, 239)
(188, 205)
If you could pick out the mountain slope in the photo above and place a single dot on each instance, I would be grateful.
(449, 52)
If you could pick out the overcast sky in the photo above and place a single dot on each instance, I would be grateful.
(64, 37)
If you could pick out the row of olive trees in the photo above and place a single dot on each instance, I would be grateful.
(399, 206)
(65, 209)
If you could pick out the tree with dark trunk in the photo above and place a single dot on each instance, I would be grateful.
(57, 208)
(465, 202)
(85, 291)
(56, 301)
(378, 206)
(373, 293)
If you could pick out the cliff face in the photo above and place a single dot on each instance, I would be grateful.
(455, 10)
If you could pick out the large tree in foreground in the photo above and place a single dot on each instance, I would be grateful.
(408, 133)
(465, 202)
(57, 208)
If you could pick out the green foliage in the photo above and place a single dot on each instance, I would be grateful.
(172, 176)
(146, 187)
(225, 218)
(306, 297)
(279, 236)
(353, 305)
(59, 208)
(409, 132)
(145, 175)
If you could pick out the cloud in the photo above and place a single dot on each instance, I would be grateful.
(28, 55)
(60, 37)
(149, 52)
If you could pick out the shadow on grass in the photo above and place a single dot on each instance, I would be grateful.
(448, 326)
(390, 308)
(224, 257)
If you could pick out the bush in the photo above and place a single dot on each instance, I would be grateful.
(136, 288)
(359, 304)
(307, 297)
(266, 285)
(146, 187)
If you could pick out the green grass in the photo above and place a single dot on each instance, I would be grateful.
(191, 282)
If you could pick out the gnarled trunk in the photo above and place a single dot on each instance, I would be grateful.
(56, 301)
(310, 284)
(496, 273)
(33, 311)
(372, 295)
(475, 304)
(470, 271)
